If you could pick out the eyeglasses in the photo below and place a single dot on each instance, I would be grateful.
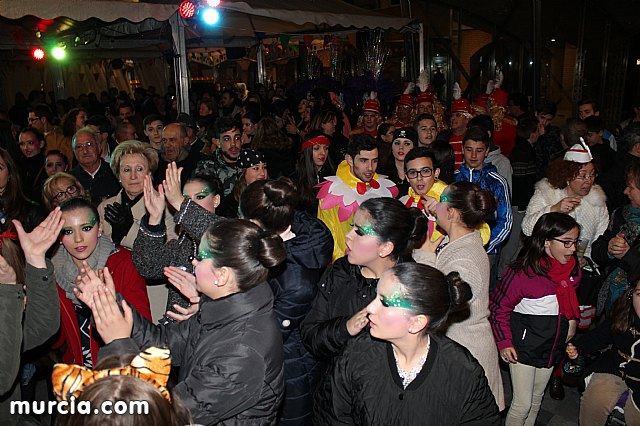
(568, 243)
(591, 176)
(424, 172)
(72, 189)
(32, 119)
(85, 146)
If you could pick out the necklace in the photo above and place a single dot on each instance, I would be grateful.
(409, 376)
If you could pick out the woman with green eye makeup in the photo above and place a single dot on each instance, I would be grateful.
(156, 258)
(383, 234)
(404, 371)
(230, 354)
(84, 246)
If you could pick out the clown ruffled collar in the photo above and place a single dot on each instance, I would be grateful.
(347, 192)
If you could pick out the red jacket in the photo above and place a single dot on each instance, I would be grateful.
(128, 283)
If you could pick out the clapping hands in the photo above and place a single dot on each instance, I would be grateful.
(36, 243)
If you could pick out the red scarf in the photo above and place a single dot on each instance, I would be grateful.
(565, 292)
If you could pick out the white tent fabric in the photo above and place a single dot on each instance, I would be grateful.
(326, 13)
(80, 10)
(333, 13)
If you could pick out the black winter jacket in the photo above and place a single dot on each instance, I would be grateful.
(611, 361)
(366, 389)
(294, 288)
(229, 354)
(342, 292)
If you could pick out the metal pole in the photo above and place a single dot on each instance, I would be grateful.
(58, 80)
(261, 64)
(578, 75)
(606, 39)
(537, 63)
(421, 45)
(180, 62)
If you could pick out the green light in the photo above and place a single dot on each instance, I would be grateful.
(58, 53)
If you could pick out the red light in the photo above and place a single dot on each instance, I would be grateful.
(38, 54)
(187, 9)
(213, 3)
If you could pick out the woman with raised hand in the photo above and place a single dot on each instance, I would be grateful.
(230, 354)
(463, 207)
(383, 234)
(131, 161)
(154, 258)
(83, 247)
(404, 371)
(25, 325)
(309, 245)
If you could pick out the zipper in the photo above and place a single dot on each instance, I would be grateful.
(555, 341)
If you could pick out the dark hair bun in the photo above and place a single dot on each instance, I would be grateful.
(485, 202)
(281, 192)
(271, 249)
(420, 224)
(459, 291)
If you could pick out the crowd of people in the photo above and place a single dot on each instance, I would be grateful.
(267, 259)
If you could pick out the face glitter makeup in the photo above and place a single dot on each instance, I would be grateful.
(444, 198)
(204, 252)
(365, 230)
(202, 194)
(396, 300)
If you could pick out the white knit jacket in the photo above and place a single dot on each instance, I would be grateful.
(591, 214)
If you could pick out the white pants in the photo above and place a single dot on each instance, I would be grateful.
(528, 385)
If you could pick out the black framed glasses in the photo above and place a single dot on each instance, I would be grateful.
(32, 119)
(568, 243)
(424, 172)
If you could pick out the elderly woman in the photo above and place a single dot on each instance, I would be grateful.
(570, 188)
(61, 187)
(121, 214)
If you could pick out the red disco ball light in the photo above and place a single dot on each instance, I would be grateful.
(213, 3)
(187, 9)
(37, 54)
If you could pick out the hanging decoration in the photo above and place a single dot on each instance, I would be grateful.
(374, 53)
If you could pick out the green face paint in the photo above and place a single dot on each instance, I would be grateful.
(93, 221)
(200, 195)
(444, 198)
(396, 300)
(363, 230)
(203, 251)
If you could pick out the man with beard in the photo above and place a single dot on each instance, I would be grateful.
(175, 145)
(92, 171)
(356, 181)
(227, 140)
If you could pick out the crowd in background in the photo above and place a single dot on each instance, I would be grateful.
(307, 263)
